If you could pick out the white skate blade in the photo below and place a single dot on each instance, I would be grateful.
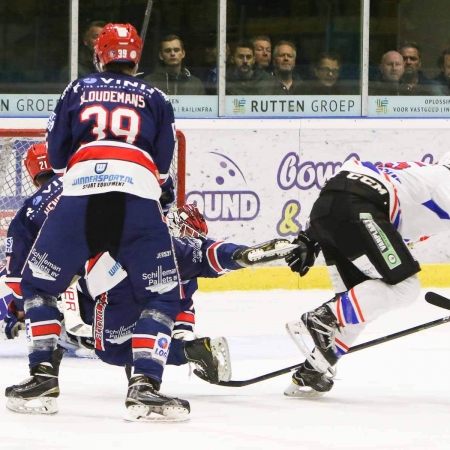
(280, 250)
(221, 353)
(38, 405)
(296, 330)
(296, 391)
(142, 413)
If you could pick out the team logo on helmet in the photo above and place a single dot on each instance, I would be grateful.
(100, 167)
(111, 53)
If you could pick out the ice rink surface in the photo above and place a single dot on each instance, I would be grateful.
(392, 396)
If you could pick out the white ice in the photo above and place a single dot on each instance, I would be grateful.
(392, 396)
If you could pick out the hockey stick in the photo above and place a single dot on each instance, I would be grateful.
(353, 349)
(148, 11)
(437, 300)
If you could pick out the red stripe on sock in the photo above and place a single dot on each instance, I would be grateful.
(185, 317)
(42, 330)
(140, 342)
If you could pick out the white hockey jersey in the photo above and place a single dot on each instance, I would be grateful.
(419, 195)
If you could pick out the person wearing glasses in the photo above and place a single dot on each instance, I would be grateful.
(413, 81)
(327, 71)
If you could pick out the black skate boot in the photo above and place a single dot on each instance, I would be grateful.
(321, 325)
(143, 399)
(42, 386)
(308, 383)
(211, 358)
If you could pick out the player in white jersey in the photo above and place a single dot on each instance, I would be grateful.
(361, 222)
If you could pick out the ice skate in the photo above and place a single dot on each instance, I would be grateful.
(321, 325)
(37, 394)
(263, 253)
(145, 404)
(308, 383)
(41, 386)
(211, 358)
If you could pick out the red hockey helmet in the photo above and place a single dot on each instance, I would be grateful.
(36, 162)
(187, 221)
(117, 43)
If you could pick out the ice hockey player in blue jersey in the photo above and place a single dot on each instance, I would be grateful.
(113, 137)
(25, 227)
(22, 232)
(361, 222)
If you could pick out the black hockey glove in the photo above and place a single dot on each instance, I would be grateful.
(303, 257)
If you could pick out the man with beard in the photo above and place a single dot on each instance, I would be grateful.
(414, 81)
(243, 78)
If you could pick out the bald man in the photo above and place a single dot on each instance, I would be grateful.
(392, 68)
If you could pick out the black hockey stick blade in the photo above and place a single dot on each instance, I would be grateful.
(355, 348)
(437, 300)
(267, 376)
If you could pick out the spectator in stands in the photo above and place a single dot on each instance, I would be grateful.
(263, 52)
(170, 75)
(443, 79)
(208, 73)
(413, 81)
(86, 50)
(287, 81)
(243, 78)
(327, 70)
(392, 68)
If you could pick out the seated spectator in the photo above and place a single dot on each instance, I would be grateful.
(86, 50)
(413, 81)
(327, 70)
(263, 52)
(392, 68)
(287, 82)
(443, 79)
(170, 75)
(243, 78)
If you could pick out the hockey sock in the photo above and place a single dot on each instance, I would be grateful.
(43, 326)
(150, 342)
